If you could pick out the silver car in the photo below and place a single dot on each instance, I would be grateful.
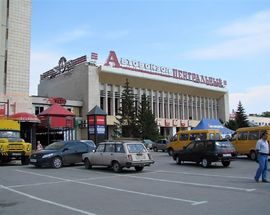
(119, 155)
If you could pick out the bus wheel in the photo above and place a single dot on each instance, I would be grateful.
(253, 155)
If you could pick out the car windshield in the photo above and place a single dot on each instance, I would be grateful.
(136, 148)
(224, 145)
(55, 146)
(10, 134)
(147, 141)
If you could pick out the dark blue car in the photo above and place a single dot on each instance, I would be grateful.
(62, 153)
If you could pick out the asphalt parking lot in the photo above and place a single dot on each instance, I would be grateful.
(163, 188)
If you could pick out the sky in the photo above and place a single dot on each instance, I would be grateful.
(227, 39)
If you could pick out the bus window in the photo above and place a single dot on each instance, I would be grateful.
(203, 136)
(183, 137)
(243, 136)
(194, 136)
(253, 135)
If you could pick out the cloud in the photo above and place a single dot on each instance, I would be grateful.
(247, 37)
(254, 100)
(73, 35)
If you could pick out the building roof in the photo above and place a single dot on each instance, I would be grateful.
(56, 109)
(25, 117)
(96, 111)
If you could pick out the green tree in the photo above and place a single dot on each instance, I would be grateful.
(241, 118)
(231, 124)
(147, 125)
(126, 125)
(266, 114)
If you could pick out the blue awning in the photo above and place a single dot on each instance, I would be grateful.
(213, 124)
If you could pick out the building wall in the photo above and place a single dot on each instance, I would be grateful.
(173, 104)
(15, 53)
(259, 121)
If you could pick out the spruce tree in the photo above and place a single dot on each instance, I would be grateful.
(147, 125)
(127, 114)
(241, 118)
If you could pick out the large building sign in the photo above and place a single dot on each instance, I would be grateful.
(138, 66)
(63, 67)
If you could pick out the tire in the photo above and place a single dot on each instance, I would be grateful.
(139, 168)
(57, 162)
(25, 160)
(226, 163)
(253, 155)
(87, 164)
(178, 160)
(205, 163)
(116, 167)
(170, 152)
(155, 149)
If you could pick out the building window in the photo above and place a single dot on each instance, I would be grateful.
(38, 109)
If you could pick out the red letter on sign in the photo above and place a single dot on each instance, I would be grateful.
(112, 58)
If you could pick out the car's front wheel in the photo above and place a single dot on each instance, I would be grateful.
(87, 164)
(205, 162)
(226, 163)
(116, 167)
(138, 168)
(57, 162)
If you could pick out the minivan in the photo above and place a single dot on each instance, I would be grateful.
(245, 139)
(182, 138)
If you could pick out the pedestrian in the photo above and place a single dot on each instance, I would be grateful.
(262, 150)
(39, 146)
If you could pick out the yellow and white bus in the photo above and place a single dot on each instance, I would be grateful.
(182, 138)
(245, 139)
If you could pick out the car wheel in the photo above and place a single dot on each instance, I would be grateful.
(253, 155)
(25, 160)
(87, 164)
(170, 152)
(138, 168)
(116, 167)
(205, 163)
(155, 149)
(226, 163)
(57, 162)
(178, 160)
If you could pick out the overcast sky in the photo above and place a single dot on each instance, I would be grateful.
(227, 39)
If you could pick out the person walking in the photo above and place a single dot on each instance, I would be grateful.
(262, 149)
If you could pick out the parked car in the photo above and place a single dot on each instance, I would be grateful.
(119, 155)
(62, 153)
(206, 152)
(160, 145)
(148, 143)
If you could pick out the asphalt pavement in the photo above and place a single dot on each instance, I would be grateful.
(163, 188)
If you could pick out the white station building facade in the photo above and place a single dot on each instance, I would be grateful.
(179, 99)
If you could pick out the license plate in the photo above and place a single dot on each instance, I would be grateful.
(227, 155)
(16, 154)
(33, 160)
(140, 157)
